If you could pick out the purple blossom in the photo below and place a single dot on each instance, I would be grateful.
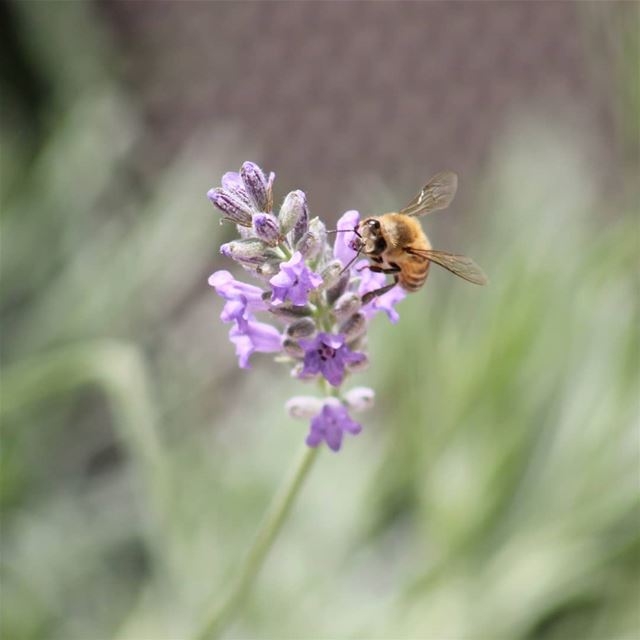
(327, 354)
(249, 336)
(323, 333)
(370, 281)
(242, 298)
(330, 425)
(294, 281)
(342, 248)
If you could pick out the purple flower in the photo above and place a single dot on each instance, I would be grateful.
(370, 281)
(249, 336)
(330, 425)
(241, 297)
(342, 248)
(327, 354)
(294, 281)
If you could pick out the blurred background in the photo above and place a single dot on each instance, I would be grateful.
(494, 492)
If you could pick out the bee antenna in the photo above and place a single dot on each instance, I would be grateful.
(345, 231)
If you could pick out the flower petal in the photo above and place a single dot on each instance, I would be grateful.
(333, 370)
(333, 436)
(342, 248)
(314, 438)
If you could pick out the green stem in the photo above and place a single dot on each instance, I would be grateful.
(275, 517)
(285, 251)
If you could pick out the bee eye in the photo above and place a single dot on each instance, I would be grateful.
(374, 224)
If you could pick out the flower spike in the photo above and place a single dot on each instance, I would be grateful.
(308, 292)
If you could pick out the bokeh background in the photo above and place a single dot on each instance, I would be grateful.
(494, 492)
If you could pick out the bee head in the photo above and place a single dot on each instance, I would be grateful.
(372, 240)
(369, 229)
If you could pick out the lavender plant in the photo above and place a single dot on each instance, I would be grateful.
(311, 294)
(315, 303)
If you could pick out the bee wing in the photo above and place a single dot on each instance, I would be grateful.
(436, 194)
(460, 266)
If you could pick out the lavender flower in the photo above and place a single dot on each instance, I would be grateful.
(240, 297)
(242, 300)
(342, 249)
(330, 418)
(330, 425)
(370, 281)
(249, 336)
(301, 283)
(294, 282)
(327, 354)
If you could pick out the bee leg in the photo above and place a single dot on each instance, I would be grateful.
(368, 297)
(377, 269)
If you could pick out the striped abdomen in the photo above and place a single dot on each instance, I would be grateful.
(413, 272)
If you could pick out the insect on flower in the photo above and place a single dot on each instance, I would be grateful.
(316, 304)
(396, 244)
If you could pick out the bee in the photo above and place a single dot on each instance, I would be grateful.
(396, 244)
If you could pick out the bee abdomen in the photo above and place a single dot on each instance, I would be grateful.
(412, 279)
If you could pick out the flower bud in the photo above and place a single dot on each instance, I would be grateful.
(256, 185)
(313, 240)
(346, 305)
(303, 407)
(268, 269)
(249, 251)
(232, 183)
(335, 291)
(354, 326)
(233, 207)
(359, 398)
(293, 209)
(358, 344)
(266, 228)
(244, 232)
(331, 273)
(288, 312)
(292, 348)
(302, 225)
(272, 177)
(302, 328)
(360, 365)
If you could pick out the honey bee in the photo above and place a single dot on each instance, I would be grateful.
(396, 244)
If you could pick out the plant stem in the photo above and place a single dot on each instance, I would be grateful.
(273, 520)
